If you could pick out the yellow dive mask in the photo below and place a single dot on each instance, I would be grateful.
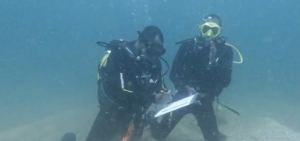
(210, 29)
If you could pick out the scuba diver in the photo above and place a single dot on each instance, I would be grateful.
(202, 65)
(130, 80)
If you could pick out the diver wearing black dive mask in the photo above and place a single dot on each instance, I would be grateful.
(130, 81)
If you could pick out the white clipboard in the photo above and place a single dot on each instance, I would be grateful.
(177, 105)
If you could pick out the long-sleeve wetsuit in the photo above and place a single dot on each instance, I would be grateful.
(191, 68)
(125, 92)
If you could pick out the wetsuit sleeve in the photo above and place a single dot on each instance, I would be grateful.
(163, 86)
(160, 84)
(177, 70)
(221, 73)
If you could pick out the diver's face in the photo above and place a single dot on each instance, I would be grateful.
(153, 49)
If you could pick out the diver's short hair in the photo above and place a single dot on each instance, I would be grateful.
(214, 16)
(148, 34)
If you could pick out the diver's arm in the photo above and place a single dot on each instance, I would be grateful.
(177, 73)
(159, 86)
(163, 96)
(219, 76)
(163, 85)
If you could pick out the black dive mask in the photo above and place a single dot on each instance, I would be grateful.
(155, 49)
(152, 48)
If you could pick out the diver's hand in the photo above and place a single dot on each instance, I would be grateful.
(190, 90)
(163, 97)
(213, 52)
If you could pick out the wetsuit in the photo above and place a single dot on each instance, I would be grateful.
(125, 92)
(191, 68)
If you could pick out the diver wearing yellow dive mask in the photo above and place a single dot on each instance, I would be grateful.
(203, 66)
(211, 28)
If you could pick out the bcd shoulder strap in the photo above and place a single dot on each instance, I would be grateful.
(129, 48)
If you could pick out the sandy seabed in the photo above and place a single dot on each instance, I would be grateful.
(79, 122)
